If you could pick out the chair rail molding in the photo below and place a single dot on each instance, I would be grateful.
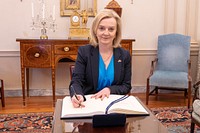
(9, 53)
(135, 52)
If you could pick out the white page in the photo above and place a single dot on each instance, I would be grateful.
(98, 106)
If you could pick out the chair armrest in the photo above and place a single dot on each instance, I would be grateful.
(153, 65)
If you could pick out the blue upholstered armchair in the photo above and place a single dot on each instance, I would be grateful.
(171, 68)
(195, 116)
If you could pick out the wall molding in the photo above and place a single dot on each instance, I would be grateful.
(9, 53)
(36, 92)
(65, 92)
(137, 52)
(59, 92)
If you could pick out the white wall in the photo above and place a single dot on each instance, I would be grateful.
(143, 20)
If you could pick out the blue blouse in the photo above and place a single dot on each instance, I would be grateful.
(106, 76)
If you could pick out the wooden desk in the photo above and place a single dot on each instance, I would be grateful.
(37, 53)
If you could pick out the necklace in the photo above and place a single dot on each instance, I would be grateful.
(105, 59)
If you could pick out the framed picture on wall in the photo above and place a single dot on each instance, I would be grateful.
(68, 6)
(72, 4)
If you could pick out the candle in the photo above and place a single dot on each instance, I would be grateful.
(43, 11)
(32, 7)
(54, 7)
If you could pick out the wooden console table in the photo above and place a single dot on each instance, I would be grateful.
(38, 53)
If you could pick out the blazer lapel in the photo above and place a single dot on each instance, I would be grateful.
(117, 64)
(95, 65)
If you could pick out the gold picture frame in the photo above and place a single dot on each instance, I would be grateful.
(72, 4)
(67, 7)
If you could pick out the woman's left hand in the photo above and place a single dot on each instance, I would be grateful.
(105, 92)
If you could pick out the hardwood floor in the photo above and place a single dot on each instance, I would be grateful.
(44, 103)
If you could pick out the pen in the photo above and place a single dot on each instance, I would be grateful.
(76, 95)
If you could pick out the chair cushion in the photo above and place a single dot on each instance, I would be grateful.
(196, 106)
(173, 52)
(172, 79)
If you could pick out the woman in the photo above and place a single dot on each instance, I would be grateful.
(102, 67)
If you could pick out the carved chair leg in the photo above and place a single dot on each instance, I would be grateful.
(156, 88)
(192, 127)
(189, 93)
(156, 92)
(147, 92)
(185, 93)
(2, 94)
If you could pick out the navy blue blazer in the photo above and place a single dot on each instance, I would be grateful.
(86, 72)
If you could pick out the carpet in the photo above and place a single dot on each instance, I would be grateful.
(26, 123)
(176, 119)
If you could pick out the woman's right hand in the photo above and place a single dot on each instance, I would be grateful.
(77, 101)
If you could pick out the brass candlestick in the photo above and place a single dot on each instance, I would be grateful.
(43, 31)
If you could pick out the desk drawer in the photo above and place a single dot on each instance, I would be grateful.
(37, 55)
(66, 49)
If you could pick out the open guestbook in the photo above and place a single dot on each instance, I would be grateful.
(122, 104)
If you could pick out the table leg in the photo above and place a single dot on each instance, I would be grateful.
(23, 84)
(53, 85)
(27, 81)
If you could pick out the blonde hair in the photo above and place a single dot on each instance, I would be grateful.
(106, 13)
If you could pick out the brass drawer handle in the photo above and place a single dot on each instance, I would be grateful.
(37, 55)
(66, 49)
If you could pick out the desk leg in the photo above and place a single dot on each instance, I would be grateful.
(23, 84)
(53, 85)
(27, 81)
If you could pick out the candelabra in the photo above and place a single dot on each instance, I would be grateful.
(43, 23)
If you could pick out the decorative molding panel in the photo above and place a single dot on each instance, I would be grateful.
(59, 92)
(138, 52)
(180, 17)
(9, 53)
